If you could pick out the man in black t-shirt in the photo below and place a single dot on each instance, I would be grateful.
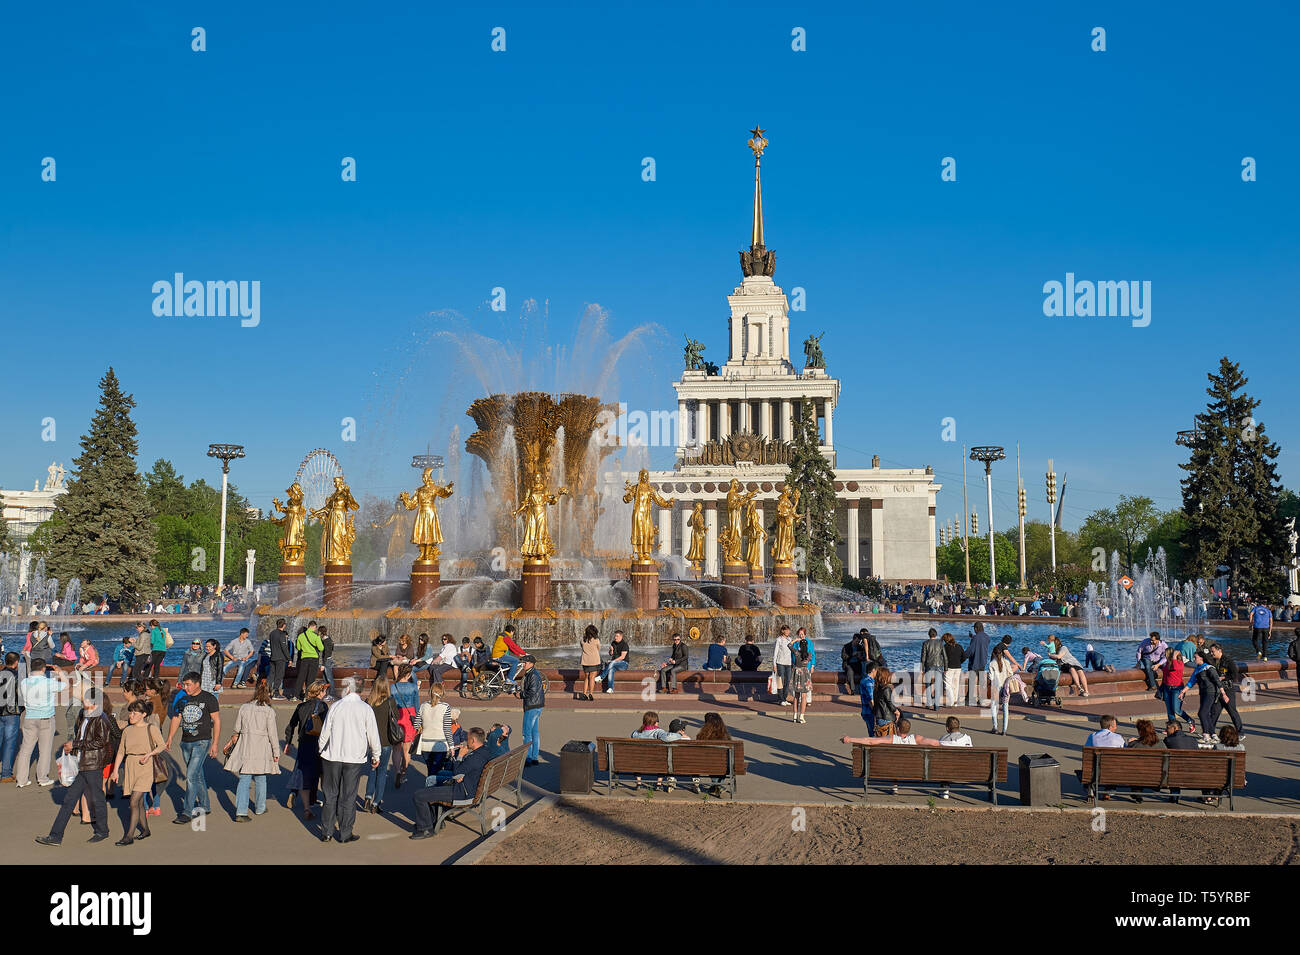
(619, 651)
(198, 716)
(748, 659)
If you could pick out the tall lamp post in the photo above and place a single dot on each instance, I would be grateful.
(1051, 508)
(227, 453)
(988, 454)
(965, 538)
(1020, 506)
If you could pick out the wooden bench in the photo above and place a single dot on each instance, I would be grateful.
(1157, 769)
(716, 759)
(948, 765)
(498, 772)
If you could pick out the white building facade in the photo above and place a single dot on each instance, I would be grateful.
(735, 421)
(24, 511)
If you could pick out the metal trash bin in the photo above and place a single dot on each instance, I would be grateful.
(577, 767)
(1040, 780)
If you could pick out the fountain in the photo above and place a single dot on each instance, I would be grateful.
(1149, 601)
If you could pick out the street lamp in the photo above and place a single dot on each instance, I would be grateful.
(988, 454)
(227, 453)
(1051, 508)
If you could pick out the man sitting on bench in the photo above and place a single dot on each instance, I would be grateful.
(904, 736)
(463, 786)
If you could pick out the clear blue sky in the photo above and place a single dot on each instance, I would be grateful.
(522, 170)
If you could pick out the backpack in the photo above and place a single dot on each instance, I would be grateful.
(1293, 649)
(801, 655)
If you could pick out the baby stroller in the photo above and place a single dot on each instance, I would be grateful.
(1045, 683)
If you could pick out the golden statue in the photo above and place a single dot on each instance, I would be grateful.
(783, 543)
(732, 539)
(643, 497)
(754, 528)
(699, 537)
(400, 523)
(337, 528)
(293, 545)
(428, 531)
(537, 545)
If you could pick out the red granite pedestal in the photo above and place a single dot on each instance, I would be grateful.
(338, 586)
(645, 584)
(425, 579)
(293, 583)
(736, 595)
(785, 586)
(536, 585)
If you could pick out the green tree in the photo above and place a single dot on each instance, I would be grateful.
(951, 560)
(1124, 528)
(811, 474)
(103, 528)
(6, 539)
(1231, 494)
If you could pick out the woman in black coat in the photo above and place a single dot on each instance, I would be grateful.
(882, 704)
(308, 717)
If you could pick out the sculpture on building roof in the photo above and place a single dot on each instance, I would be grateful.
(694, 350)
(812, 351)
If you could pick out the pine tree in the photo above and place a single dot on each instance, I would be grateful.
(103, 531)
(1231, 494)
(811, 475)
(6, 540)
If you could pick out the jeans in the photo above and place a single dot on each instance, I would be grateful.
(934, 678)
(258, 780)
(35, 732)
(194, 755)
(306, 675)
(1003, 701)
(667, 677)
(510, 660)
(533, 732)
(1219, 707)
(1259, 639)
(869, 717)
(784, 673)
(1173, 705)
(327, 670)
(1145, 664)
(90, 784)
(377, 779)
(339, 784)
(424, 802)
(1095, 659)
(243, 666)
(608, 676)
(10, 731)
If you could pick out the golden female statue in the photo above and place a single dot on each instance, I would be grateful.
(783, 543)
(754, 527)
(337, 528)
(294, 522)
(643, 497)
(737, 501)
(427, 532)
(537, 545)
(699, 537)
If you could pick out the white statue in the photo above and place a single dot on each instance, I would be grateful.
(54, 480)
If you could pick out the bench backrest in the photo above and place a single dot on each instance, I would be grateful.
(1164, 768)
(949, 764)
(499, 771)
(689, 757)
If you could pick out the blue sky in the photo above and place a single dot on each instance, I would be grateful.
(522, 170)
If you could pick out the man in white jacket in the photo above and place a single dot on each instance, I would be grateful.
(349, 736)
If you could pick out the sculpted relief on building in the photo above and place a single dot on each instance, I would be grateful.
(741, 447)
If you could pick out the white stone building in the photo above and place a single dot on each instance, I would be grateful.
(24, 511)
(734, 421)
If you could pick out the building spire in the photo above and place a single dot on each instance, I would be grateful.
(757, 261)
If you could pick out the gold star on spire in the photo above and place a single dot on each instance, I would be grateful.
(757, 143)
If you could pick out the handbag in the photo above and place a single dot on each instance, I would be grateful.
(395, 733)
(885, 729)
(167, 638)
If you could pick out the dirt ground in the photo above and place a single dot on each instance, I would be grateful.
(639, 832)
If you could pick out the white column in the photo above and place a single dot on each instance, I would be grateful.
(853, 542)
(724, 419)
(746, 412)
(711, 541)
(683, 424)
(665, 531)
(766, 426)
(830, 418)
(249, 561)
(702, 420)
(877, 540)
(934, 563)
(787, 420)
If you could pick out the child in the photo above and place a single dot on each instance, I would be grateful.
(123, 656)
(464, 663)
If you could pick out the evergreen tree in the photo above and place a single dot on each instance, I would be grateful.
(103, 529)
(1231, 494)
(811, 475)
(6, 540)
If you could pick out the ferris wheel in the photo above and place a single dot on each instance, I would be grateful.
(316, 474)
